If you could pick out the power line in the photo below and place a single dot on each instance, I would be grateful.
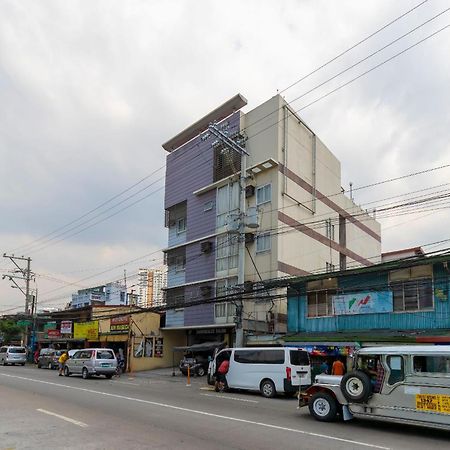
(354, 46)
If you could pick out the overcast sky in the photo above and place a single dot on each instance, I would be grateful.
(89, 90)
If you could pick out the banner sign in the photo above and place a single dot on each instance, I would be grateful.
(363, 303)
(49, 326)
(159, 346)
(86, 330)
(66, 327)
(53, 334)
(119, 324)
(433, 403)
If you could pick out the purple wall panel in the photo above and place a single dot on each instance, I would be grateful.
(199, 266)
(199, 315)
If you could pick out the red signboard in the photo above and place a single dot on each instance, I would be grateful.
(52, 334)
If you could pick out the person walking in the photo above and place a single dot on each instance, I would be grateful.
(338, 368)
(324, 367)
(62, 362)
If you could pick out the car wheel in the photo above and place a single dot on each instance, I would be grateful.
(85, 373)
(109, 376)
(66, 372)
(201, 371)
(267, 389)
(38, 365)
(49, 366)
(22, 364)
(323, 407)
(356, 386)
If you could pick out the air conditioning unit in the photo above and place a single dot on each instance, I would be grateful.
(249, 238)
(249, 191)
(206, 247)
(205, 290)
(248, 286)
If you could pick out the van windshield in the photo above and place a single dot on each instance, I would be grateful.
(16, 350)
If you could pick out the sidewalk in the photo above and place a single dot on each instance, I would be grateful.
(167, 374)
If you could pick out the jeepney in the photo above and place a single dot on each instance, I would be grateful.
(406, 384)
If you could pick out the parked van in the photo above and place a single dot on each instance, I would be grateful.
(91, 361)
(268, 370)
(405, 384)
(11, 354)
(48, 357)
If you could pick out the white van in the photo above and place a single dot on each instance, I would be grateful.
(12, 354)
(268, 370)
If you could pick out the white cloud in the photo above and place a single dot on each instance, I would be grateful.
(90, 90)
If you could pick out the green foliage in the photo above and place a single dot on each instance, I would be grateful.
(9, 330)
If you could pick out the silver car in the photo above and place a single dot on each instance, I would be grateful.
(91, 361)
(10, 354)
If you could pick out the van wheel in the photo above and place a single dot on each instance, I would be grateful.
(22, 364)
(85, 374)
(267, 389)
(356, 386)
(323, 407)
(38, 365)
(201, 372)
(66, 372)
(109, 376)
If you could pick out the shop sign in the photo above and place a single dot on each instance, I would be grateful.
(66, 327)
(49, 326)
(24, 323)
(53, 334)
(363, 303)
(119, 324)
(159, 343)
(86, 330)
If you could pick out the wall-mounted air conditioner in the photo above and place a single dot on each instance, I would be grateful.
(249, 238)
(206, 247)
(249, 191)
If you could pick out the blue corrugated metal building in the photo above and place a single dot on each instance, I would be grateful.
(399, 301)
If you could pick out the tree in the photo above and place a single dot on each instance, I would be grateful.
(9, 330)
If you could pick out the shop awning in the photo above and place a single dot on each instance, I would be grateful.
(204, 347)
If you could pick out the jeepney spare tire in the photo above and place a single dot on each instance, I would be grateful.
(356, 386)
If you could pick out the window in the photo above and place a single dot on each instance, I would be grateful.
(227, 202)
(227, 250)
(412, 288)
(105, 354)
(329, 229)
(220, 310)
(397, 374)
(263, 242)
(320, 303)
(299, 357)
(181, 225)
(264, 194)
(432, 364)
(259, 356)
(180, 263)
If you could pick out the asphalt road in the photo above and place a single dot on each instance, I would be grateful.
(39, 410)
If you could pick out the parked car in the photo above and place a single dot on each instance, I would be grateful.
(268, 370)
(48, 358)
(197, 357)
(404, 384)
(10, 354)
(91, 361)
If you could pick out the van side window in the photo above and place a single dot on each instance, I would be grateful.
(259, 356)
(397, 370)
(432, 364)
(299, 357)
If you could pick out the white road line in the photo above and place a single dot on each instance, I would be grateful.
(59, 416)
(226, 397)
(126, 382)
(202, 413)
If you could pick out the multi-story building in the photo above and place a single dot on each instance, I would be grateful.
(299, 219)
(151, 285)
(109, 294)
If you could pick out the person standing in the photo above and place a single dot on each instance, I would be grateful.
(324, 367)
(221, 380)
(338, 368)
(62, 362)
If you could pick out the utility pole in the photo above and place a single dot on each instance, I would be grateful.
(26, 276)
(224, 138)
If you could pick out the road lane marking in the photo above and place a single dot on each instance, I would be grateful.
(67, 419)
(226, 397)
(202, 413)
(126, 382)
